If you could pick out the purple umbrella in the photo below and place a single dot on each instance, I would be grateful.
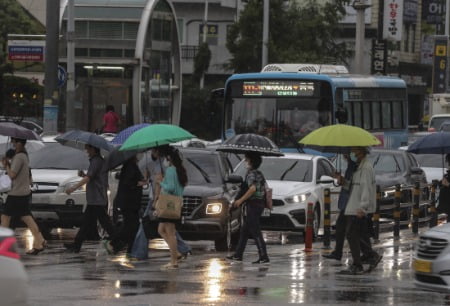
(123, 135)
(14, 130)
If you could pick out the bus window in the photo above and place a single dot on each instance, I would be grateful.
(357, 114)
(348, 108)
(366, 115)
(376, 115)
(398, 114)
(387, 115)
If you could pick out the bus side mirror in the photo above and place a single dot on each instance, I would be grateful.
(341, 115)
(217, 93)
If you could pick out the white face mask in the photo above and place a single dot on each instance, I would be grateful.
(166, 163)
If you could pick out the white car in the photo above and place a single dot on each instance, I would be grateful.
(297, 179)
(431, 262)
(55, 168)
(13, 278)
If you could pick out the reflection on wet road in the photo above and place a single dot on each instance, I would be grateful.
(94, 278)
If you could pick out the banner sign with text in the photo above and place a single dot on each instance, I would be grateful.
(379, 57)
(26, 50)
(433, 11)
(393, 20)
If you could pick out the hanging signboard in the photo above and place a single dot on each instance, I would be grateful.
(379, 57)
(393, 20)
(440, 64)
(26, 50)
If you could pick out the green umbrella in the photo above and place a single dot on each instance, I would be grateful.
(155, 135)
(338, 138)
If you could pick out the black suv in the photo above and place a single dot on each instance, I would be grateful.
(207, 197)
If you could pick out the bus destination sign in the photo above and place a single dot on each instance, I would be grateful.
(277, 88)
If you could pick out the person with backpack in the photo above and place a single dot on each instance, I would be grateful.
(255, 202)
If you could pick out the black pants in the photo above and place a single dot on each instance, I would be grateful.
(252, 228)
(127, 232)
(341, 227)
(358, 238)
(90, 217)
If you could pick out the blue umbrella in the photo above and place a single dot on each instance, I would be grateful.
(77, 139)
(435, 143)
(120, 138)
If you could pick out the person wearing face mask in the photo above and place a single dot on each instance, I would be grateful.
(361, 202)
(129, 193)
(154, 172)
(341, 223)
(254, 199)
(174, 181)
(96, 181)
(18, 200)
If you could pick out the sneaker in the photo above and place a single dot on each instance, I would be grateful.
(234, 257)
(374, 261)
(169, 266)
(365, 260)
(353, 270)
(264, 260)
(108, 247)
(332, 255)
(72, 248)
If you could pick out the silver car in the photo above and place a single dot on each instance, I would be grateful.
(13, 279)
(431, 262)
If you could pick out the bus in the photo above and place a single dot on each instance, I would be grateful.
(285, 102)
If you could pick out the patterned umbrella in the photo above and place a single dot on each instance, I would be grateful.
(243, 143)
(120, 138)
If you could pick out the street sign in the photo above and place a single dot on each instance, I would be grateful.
(62, 76)
(26, 50)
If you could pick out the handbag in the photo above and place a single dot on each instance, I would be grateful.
(5, 183)
(168, 206)
(150, 226)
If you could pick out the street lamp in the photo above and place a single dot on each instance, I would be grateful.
(360, 6)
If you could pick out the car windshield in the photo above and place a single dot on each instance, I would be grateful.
(431, 160)
(386, 162)
(202, 168)
(57, 156)
(282, 169)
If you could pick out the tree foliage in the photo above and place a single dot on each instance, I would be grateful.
(13, 20)
(298, 33)
(201, 60)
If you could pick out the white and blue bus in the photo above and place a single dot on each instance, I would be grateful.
(287, 101)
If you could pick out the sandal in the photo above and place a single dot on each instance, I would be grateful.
(34, 251)
(168, 267)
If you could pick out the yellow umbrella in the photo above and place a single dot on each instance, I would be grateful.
(338, 138)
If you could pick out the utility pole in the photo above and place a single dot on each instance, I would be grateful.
(70, 94)
(51, 95)
(360, 8)
(205, 30)
(265, 38)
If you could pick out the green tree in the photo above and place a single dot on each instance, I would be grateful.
(13, 20)
(298, 33)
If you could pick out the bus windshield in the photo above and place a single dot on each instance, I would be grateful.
(283, 120)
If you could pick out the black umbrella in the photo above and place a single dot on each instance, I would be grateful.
(243, 143)
(14, 130)
(77, 139)
(116, 157)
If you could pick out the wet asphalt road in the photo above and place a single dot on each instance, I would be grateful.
(93, 277)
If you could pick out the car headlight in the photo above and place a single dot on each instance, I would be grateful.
(298, 198)
(79, 189)
(213, 208)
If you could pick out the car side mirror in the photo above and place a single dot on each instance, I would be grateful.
(325, 179)
(234, 179)
(416, 171)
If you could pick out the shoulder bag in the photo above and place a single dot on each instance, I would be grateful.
(168, 206)
(5, 183)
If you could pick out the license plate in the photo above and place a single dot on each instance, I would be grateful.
(266, 212)
(423, 266)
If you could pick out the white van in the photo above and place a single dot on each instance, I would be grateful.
(436, 121)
